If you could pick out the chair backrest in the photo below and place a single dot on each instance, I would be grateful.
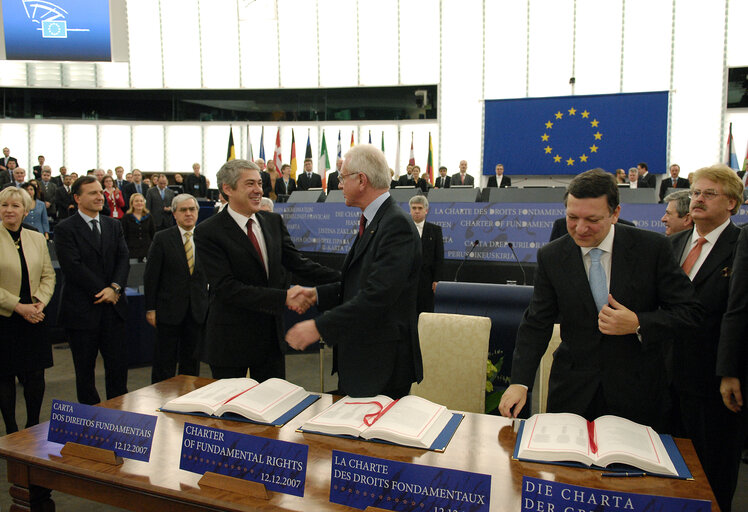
(544, 372)
(455, 351)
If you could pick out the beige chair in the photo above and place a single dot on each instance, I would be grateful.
(455, 351)
(544, 372)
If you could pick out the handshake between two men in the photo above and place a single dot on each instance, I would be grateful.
(303, 334)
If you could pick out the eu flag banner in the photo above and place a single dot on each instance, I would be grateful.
(572, 134)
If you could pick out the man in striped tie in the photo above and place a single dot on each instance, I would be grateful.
(176, 294)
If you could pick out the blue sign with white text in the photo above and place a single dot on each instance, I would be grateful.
(332, 227)
(76, 30)
(279, 465)
(360, 481)
(127, 434)
(543, 496)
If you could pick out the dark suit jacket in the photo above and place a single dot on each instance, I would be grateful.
(695, 354)
(667, 183)
(63, 200)
(196, 185)
(244, 322)
(49, 192)
(37, 172)
(370, 317)
(456, 180)
(129, 189)
(506, 181)
(156, 205)
(280, 186)
(88, 269)
(648, 181)
(304, 183)
(405, 180)
(4, 163)
(57, 180)
(631, 373)
(170, 289)
(732, 352)
(439, 184)
(432, 258)
(333, 180)
(267, 185)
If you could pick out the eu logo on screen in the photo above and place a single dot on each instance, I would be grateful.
(63, 30)
(54, 28)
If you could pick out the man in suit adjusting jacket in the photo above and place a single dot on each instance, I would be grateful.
(611, 358)
(370, 317)
(176, 294)
(245, 254)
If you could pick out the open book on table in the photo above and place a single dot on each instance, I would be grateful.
(273, 402)
(606, 442)
(410, 421)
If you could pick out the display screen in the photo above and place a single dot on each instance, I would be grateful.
(64, 30)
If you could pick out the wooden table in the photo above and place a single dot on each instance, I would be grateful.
(482, 444)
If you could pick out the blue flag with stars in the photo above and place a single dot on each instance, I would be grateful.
(572, 134)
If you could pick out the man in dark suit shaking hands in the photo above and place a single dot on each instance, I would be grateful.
(176, 294)
(245, 254)
(432, 253)
(619, 293)
(370, 317)
(94, 261)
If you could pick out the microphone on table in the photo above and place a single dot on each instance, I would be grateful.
(524, 276)
(467, 255)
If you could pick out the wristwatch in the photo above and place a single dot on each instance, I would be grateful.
(117, 288)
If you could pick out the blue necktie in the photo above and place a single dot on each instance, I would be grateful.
(598, 282)
(137, 187)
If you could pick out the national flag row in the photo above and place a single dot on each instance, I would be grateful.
(732, 156)
(323, 163)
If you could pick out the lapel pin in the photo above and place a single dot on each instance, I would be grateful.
(726, 272)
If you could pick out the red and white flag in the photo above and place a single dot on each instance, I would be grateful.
(412, 160)
(277, 153)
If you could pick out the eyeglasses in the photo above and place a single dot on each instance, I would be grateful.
(343, 177)
(706, 194)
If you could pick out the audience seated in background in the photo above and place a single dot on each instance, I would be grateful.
(443, 180)
(646, 180)
(673, 181)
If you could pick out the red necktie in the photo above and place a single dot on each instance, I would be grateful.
(462, 179)
(361, 225)
(254, 241)
(693, 256)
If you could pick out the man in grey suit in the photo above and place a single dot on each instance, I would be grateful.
(158, 200)
(462, 177)
(611, 358)
(370, 316)
(49, 191)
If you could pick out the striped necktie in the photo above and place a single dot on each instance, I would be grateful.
(189, 251)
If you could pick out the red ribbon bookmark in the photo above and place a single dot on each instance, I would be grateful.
(592, 436)
(376, 415)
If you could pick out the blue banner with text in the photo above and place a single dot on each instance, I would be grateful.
(279, 465)
(332, 227)
(128, 434)
(360, 481)
(543, 496)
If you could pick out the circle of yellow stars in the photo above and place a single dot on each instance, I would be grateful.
(570, 161)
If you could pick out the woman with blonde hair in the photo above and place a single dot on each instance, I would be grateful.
(138, 228)
(27, 282)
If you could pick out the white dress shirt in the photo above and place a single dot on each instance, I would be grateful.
(241, 220)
